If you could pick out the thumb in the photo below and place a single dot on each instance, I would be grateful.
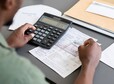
(29, 37)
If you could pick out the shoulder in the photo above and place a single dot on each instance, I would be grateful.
(15, 68)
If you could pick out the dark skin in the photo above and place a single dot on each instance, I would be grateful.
(18, 38)
(89, 53)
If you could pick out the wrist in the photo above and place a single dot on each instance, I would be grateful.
(88, 69)
(90, 65)
(10, 44)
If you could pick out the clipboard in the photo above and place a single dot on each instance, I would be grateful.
(78, 11)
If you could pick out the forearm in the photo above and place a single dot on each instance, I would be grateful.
(85, 76)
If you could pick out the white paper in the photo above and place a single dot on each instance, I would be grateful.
(63, 56)
(108, 56)
(101, 9)
(31, 14)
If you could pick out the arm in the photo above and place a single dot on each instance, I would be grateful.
(18, 38)
(89, 54)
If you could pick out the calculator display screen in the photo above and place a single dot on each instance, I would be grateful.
(54, 22)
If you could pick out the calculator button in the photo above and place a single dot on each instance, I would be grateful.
(56, 29)
(34, 39)
(41, 37)
(53, 38)
(35, 32)
(54, 32)
(36, 25)
(56, 36)
(48, 44)
(49, 30)
(44, 28)
(46, 32)
(40, 33)
(51, 41)
(49, 37)
(44, 35)
(40, 26)
(38, 29)
(58, 33)
(37, 36)
(51, 27)
(39, 40)
(45, 41)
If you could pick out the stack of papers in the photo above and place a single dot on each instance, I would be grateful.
(108, 56)
(63, 56)
(31, 14)
(97, 15)
(101, 9)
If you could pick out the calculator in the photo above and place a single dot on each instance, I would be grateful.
(49, 29)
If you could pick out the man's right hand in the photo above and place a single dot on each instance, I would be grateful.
(18, 38)
(90, 53)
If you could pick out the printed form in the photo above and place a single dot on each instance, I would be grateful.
(63, 56)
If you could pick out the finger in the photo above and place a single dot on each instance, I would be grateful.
(80, 47)
(89, 42)
(29, 37)
(32, 35)
(27, 26)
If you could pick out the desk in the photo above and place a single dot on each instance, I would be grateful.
(103, 75)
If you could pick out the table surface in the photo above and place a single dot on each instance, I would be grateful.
(104, 74)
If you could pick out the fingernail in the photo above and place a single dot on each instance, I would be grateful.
(32, 35)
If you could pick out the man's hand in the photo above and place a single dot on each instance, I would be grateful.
(90, 53)
(18, 38)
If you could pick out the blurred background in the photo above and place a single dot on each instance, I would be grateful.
(53, 3)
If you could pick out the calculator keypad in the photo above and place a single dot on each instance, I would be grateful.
(46, 36)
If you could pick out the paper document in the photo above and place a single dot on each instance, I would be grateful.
(108, 56)
(101, 9)
(31, 14)
(104, 23)
(63, 56)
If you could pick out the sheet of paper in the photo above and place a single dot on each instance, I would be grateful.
(101, 9)
(63, 56)
(108, 56)
(57, 59)
(31, 14)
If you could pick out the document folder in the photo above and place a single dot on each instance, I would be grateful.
(78, 11)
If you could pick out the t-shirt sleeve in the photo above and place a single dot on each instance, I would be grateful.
(15, 69)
